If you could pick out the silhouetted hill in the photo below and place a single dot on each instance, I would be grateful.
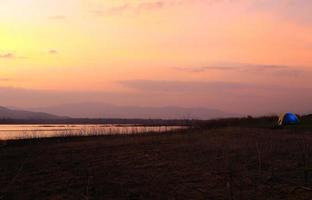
(6, 113)
(100, 110)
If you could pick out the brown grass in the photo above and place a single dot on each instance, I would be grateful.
(205, 163)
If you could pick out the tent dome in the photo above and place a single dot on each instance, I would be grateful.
(288, 119)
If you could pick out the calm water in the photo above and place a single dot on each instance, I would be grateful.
(47, 130)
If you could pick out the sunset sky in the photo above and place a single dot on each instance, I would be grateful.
(239, 56)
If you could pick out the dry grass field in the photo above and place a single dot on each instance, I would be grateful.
(210, 162)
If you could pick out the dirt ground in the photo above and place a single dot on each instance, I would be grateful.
(224, 163)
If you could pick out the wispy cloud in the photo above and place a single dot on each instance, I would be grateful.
(233, 66)
(283, 70)
(112, 11)
(147, 6)
(10, 55)
(203, 69)
(151, 5)
(292, 73)
(52, 51)
(7, 56)
(127, 7)
(5, 79)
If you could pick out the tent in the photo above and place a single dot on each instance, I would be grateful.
(287, 119)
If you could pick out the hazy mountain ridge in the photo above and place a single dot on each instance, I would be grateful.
(101, 110)
(6, 113)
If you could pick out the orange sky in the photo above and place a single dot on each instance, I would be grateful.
(223, 51)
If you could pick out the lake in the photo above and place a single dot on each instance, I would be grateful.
(13, 132)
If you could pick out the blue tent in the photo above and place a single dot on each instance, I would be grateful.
(288, 119)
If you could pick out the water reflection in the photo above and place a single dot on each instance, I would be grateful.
(56, 130)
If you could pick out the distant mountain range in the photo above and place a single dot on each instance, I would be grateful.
(6, 113)
(100, 110)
